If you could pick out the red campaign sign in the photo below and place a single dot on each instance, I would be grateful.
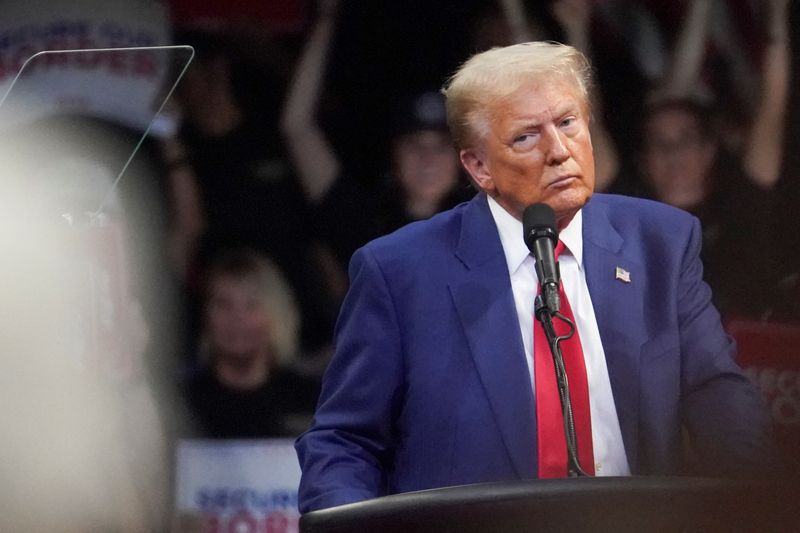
(769, 353)
(775, 345)
(285, 16)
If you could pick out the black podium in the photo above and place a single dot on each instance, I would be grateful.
(630, 504)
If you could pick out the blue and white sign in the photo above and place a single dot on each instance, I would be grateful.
(240, 486)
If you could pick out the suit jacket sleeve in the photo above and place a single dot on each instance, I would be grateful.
(722, 410)
(343, 455)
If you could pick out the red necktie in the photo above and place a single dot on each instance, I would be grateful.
(551, 440)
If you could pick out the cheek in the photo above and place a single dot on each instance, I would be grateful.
(445, 168)
(250, 320)
(259, 324)
(218, 321)
(519, 167)
(584, 151)
(655, 167)
(222, 323)
(449, 162)
(407, 169)
(707, 159)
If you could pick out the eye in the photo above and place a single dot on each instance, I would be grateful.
(569, 122)
(525, 139)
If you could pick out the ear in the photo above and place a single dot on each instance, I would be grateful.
(475, 163)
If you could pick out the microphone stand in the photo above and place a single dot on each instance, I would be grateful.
(545, 316)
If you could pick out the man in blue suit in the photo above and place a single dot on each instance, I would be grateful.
(432, 383)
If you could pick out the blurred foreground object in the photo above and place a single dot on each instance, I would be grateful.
(84, 311)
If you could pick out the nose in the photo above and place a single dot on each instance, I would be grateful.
(556, 151)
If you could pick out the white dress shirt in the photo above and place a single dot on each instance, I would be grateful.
(609, 450)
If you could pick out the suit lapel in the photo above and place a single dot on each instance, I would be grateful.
(618, 309)
(485, 303)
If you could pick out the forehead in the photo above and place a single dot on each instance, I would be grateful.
(539, 99)
(229, 285)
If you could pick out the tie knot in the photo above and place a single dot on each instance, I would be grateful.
(559, 248)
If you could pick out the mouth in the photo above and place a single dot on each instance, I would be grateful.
(563, 181)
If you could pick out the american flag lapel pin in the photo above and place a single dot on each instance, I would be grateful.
(622, 275)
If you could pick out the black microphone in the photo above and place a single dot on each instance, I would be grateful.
(541, 237)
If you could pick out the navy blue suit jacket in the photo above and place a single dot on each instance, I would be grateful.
(429, 386)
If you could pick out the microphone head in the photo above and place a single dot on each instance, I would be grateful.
(539, 220)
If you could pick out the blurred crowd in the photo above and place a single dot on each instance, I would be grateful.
(286, 146)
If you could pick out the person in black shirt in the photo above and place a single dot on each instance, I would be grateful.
(422, 174)
(683, 164)
(241, 189)
(244, 387)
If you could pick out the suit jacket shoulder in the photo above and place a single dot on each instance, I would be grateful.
(420, 242)
(638, 218)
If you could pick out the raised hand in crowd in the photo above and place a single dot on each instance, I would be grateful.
(764, 150)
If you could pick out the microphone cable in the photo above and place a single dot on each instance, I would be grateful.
(573, 463)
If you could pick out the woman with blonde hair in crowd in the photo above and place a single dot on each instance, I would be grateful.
(245, 386)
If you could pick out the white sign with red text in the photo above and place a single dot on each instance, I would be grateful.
(125, 86)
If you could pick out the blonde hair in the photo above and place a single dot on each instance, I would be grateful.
(499, 72)
(273, 291)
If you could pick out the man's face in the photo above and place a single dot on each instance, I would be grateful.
(537, 149)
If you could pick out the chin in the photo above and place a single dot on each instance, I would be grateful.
(570, 201)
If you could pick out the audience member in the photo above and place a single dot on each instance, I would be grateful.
(684, 161)
(423, 178)
(241, 189)
(244, 386)
(682, 165)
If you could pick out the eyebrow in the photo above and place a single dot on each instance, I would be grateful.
(567, 109)
(526, 123)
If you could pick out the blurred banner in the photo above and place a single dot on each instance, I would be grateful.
(121, 87)
(246, 486)
(285, 16)
(768, 353)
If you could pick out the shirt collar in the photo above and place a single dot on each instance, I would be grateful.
(510, 230)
